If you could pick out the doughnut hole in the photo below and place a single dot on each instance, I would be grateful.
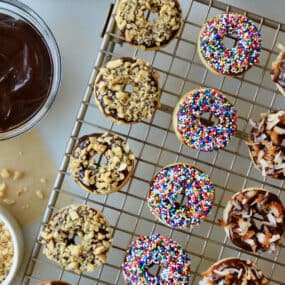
(230, 41)
(151, 16)
(100, 159)
(180, 198)
(258, 220)
(154, 269)
(128, 89)
(75, 239)
(208, 119)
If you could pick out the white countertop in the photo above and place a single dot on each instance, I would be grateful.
(77, 26)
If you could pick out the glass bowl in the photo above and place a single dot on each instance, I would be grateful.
(21, 11)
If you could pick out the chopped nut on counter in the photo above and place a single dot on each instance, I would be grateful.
(3, 188)
(21, 191)
(9, 201)
(6, 252)
(17, 175)
(43, 180)
(5, 173)
(40, 194)
(27, 206)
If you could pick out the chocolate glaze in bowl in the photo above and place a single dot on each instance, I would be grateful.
(30, 68)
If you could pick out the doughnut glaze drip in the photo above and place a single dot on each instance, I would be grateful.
(230, 61)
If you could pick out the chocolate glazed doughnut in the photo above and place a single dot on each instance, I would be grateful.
(140, 32)
(243, 211)
(265, 144)
(233, 271)
(277, 71)
(116, 101)
(92, 173)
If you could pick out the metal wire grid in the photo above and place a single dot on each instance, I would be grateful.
(155, 145)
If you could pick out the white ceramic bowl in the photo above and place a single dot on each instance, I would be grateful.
(17, 238)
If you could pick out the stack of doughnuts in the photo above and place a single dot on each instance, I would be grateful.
(102, 163)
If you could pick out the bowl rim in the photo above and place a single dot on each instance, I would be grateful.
(31, 17)
(17, 238)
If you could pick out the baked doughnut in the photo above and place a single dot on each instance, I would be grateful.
(141, 32)
(265, 144)
(155, 249)
(180, 179)
(278, 71)
(229, 61)
(54, 282)
(242, 213)
(125, 106)
(95, 175)
(190, 130)
(233, 271)
(60, 234)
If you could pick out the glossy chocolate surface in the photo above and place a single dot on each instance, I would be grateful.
(25, 72)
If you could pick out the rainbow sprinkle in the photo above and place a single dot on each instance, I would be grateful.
(156, 249)
(193, 133)
(230, 61)
(186, 180)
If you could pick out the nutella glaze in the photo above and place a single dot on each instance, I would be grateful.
(277, 72)
(241, 215)
(26, 72)
(233, 271)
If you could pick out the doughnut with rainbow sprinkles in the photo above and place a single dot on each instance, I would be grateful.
(186, 180)
(155, 249)
(229, 61)
(189, 128)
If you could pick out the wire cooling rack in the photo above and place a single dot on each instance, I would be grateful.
(155, 146)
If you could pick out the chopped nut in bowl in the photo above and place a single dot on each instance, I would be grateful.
(11, 247)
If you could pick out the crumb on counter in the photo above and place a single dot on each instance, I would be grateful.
(5, 173)
(3, 188)
(9, 201)
(40, 194)
(18, 175)
(43, 180)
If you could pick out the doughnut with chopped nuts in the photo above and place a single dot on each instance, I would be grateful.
(254, 220)
(132, 18)
(116, 101)
(59, 238)
(233, 271)
(265, 144)
(96, 176)
(54, 282)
